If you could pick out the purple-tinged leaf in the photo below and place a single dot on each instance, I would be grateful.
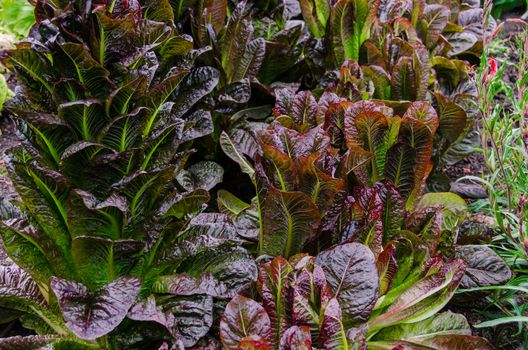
(148, 310)
(332, 334)
(92, 315)
(272, 285)
(183, 284)
(387, 267)
(352, 274)
(296, 338)
(310, 294)
(243, 318)
(484, 266)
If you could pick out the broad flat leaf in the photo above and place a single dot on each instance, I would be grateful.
(114, 39)
(442, 342)
(296, 338)
(293, 143)
(198, 124)
(416, 134)
(232, 267)
(24, 245)
(159, 10)
(302, 107)
(403, 80)
(352, 274)
(380, 78)
(185, 204)
(178, 45)
(254, 342)
(229, 204)
(334, 122)
(199, 83)
(323, 189)
(452, 117)
(235, 40)
(82, 67)
(389, 10)
(84, 116)
(43, 192)
(431, 26)
(242, 318)
(366, 126)
(31, 342)
(446, 200)
(157, 98)
(484, 267)
(460, 42)
(443, 324)
(29, 62)
(91, 217)
(290, 220)
(424, 298)
(93, 315)
(457, 342)
(349, 27)
(462, 148)
(452, 207)
(280, 168)
(469, 21)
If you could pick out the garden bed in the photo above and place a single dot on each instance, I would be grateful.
(249, 175)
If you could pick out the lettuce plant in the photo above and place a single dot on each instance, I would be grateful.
(333, 171)
(110, 250)
(406, 51)
(333, 302)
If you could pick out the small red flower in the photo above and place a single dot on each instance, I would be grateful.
(490, 71)
(493, 67)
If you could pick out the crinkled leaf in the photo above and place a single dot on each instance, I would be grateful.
(193, 316)
(484, 267)
(91, 315)
(204, 175)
